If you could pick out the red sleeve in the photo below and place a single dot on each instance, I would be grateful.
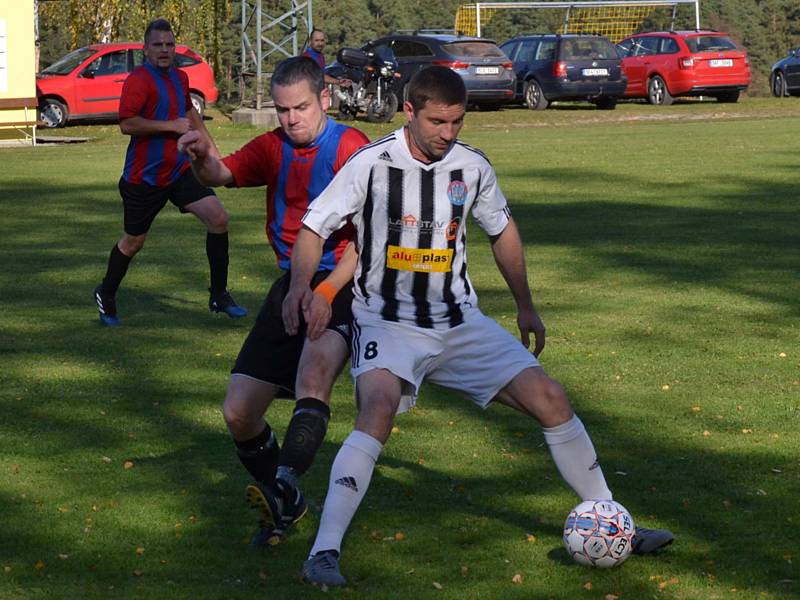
(352, 140)
(257, 162)
(185, 85)
(135, 92)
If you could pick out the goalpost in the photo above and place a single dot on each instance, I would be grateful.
(614, 19)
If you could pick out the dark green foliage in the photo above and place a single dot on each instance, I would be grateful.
(767, 28)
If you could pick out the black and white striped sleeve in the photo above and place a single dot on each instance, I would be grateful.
(490, 208)
(344, 197)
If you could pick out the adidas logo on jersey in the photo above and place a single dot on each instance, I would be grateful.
(385, 156)
(348, 482)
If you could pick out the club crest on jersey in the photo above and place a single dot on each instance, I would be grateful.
(422, 260)
(457, 192)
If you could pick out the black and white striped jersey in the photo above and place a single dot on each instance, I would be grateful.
(412, 237)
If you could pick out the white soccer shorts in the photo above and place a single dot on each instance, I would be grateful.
(478, 358)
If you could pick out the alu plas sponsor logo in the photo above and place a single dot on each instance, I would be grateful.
(422, 260)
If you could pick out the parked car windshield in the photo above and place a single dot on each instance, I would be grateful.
(710, 43)
(593, 48)
(473, 49)
(66, 64)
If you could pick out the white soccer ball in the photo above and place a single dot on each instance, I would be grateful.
(599, 533)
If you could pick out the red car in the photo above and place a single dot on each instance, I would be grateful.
(87, 83)
(666, 64)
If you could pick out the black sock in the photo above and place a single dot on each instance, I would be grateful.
(117, 267)
(217, 252)
(259, 455)
(303, 438)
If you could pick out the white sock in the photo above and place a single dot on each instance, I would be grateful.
(350, 476)
(576, 459)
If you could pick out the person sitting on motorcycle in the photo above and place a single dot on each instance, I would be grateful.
(316, 45)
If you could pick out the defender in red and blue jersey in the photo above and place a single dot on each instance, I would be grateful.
(296, 162)
(294, 176)
(158, 95)
(155, 110)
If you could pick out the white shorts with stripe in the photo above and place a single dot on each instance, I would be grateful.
(478, 358)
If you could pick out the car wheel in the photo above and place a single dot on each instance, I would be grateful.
(729, 97)
(198, 103)
(607, 103)
(657, 92)
(52, 113)
(778, 85)
(533, 96)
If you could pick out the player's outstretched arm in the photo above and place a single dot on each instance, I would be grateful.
(206, 162)
(318, 314)
(510, 259)
(306, 254)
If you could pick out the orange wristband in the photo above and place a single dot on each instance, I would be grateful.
(327, 291)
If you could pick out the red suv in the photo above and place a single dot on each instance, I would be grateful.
(87, 83)
(665, 64)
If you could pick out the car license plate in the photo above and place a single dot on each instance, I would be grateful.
(487, 70)
(720, 62)
(595, 72)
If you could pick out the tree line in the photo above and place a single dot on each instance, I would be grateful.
(767, 28)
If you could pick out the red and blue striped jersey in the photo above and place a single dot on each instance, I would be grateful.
(160, 96)
(318, 57)
(294, 176)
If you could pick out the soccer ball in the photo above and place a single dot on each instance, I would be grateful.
(599, 533)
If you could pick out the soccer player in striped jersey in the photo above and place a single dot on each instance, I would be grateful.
(155, 110)
(296, 162)
(415, 312)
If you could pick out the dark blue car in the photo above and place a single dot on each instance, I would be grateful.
(785, 75)
(551, 67)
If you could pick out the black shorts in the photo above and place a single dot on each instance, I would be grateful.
(142, 202)
(271, 355)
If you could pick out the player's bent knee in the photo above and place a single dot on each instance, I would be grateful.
(241, 417)
(315, 380)
(219, 221)
(235, 419)
(131, 244)
(320, 364)
(553, 403)
(376, 417)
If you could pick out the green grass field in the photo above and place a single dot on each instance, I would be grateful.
(663, 248)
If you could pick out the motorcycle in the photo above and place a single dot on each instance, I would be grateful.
(372, 89)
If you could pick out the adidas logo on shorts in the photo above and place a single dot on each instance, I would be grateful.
(348, 482)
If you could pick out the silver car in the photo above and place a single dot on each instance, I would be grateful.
(488, 73)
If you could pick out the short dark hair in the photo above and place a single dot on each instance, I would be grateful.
(157, 25)
(315, 30)
(296, 69)
(436, 84)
